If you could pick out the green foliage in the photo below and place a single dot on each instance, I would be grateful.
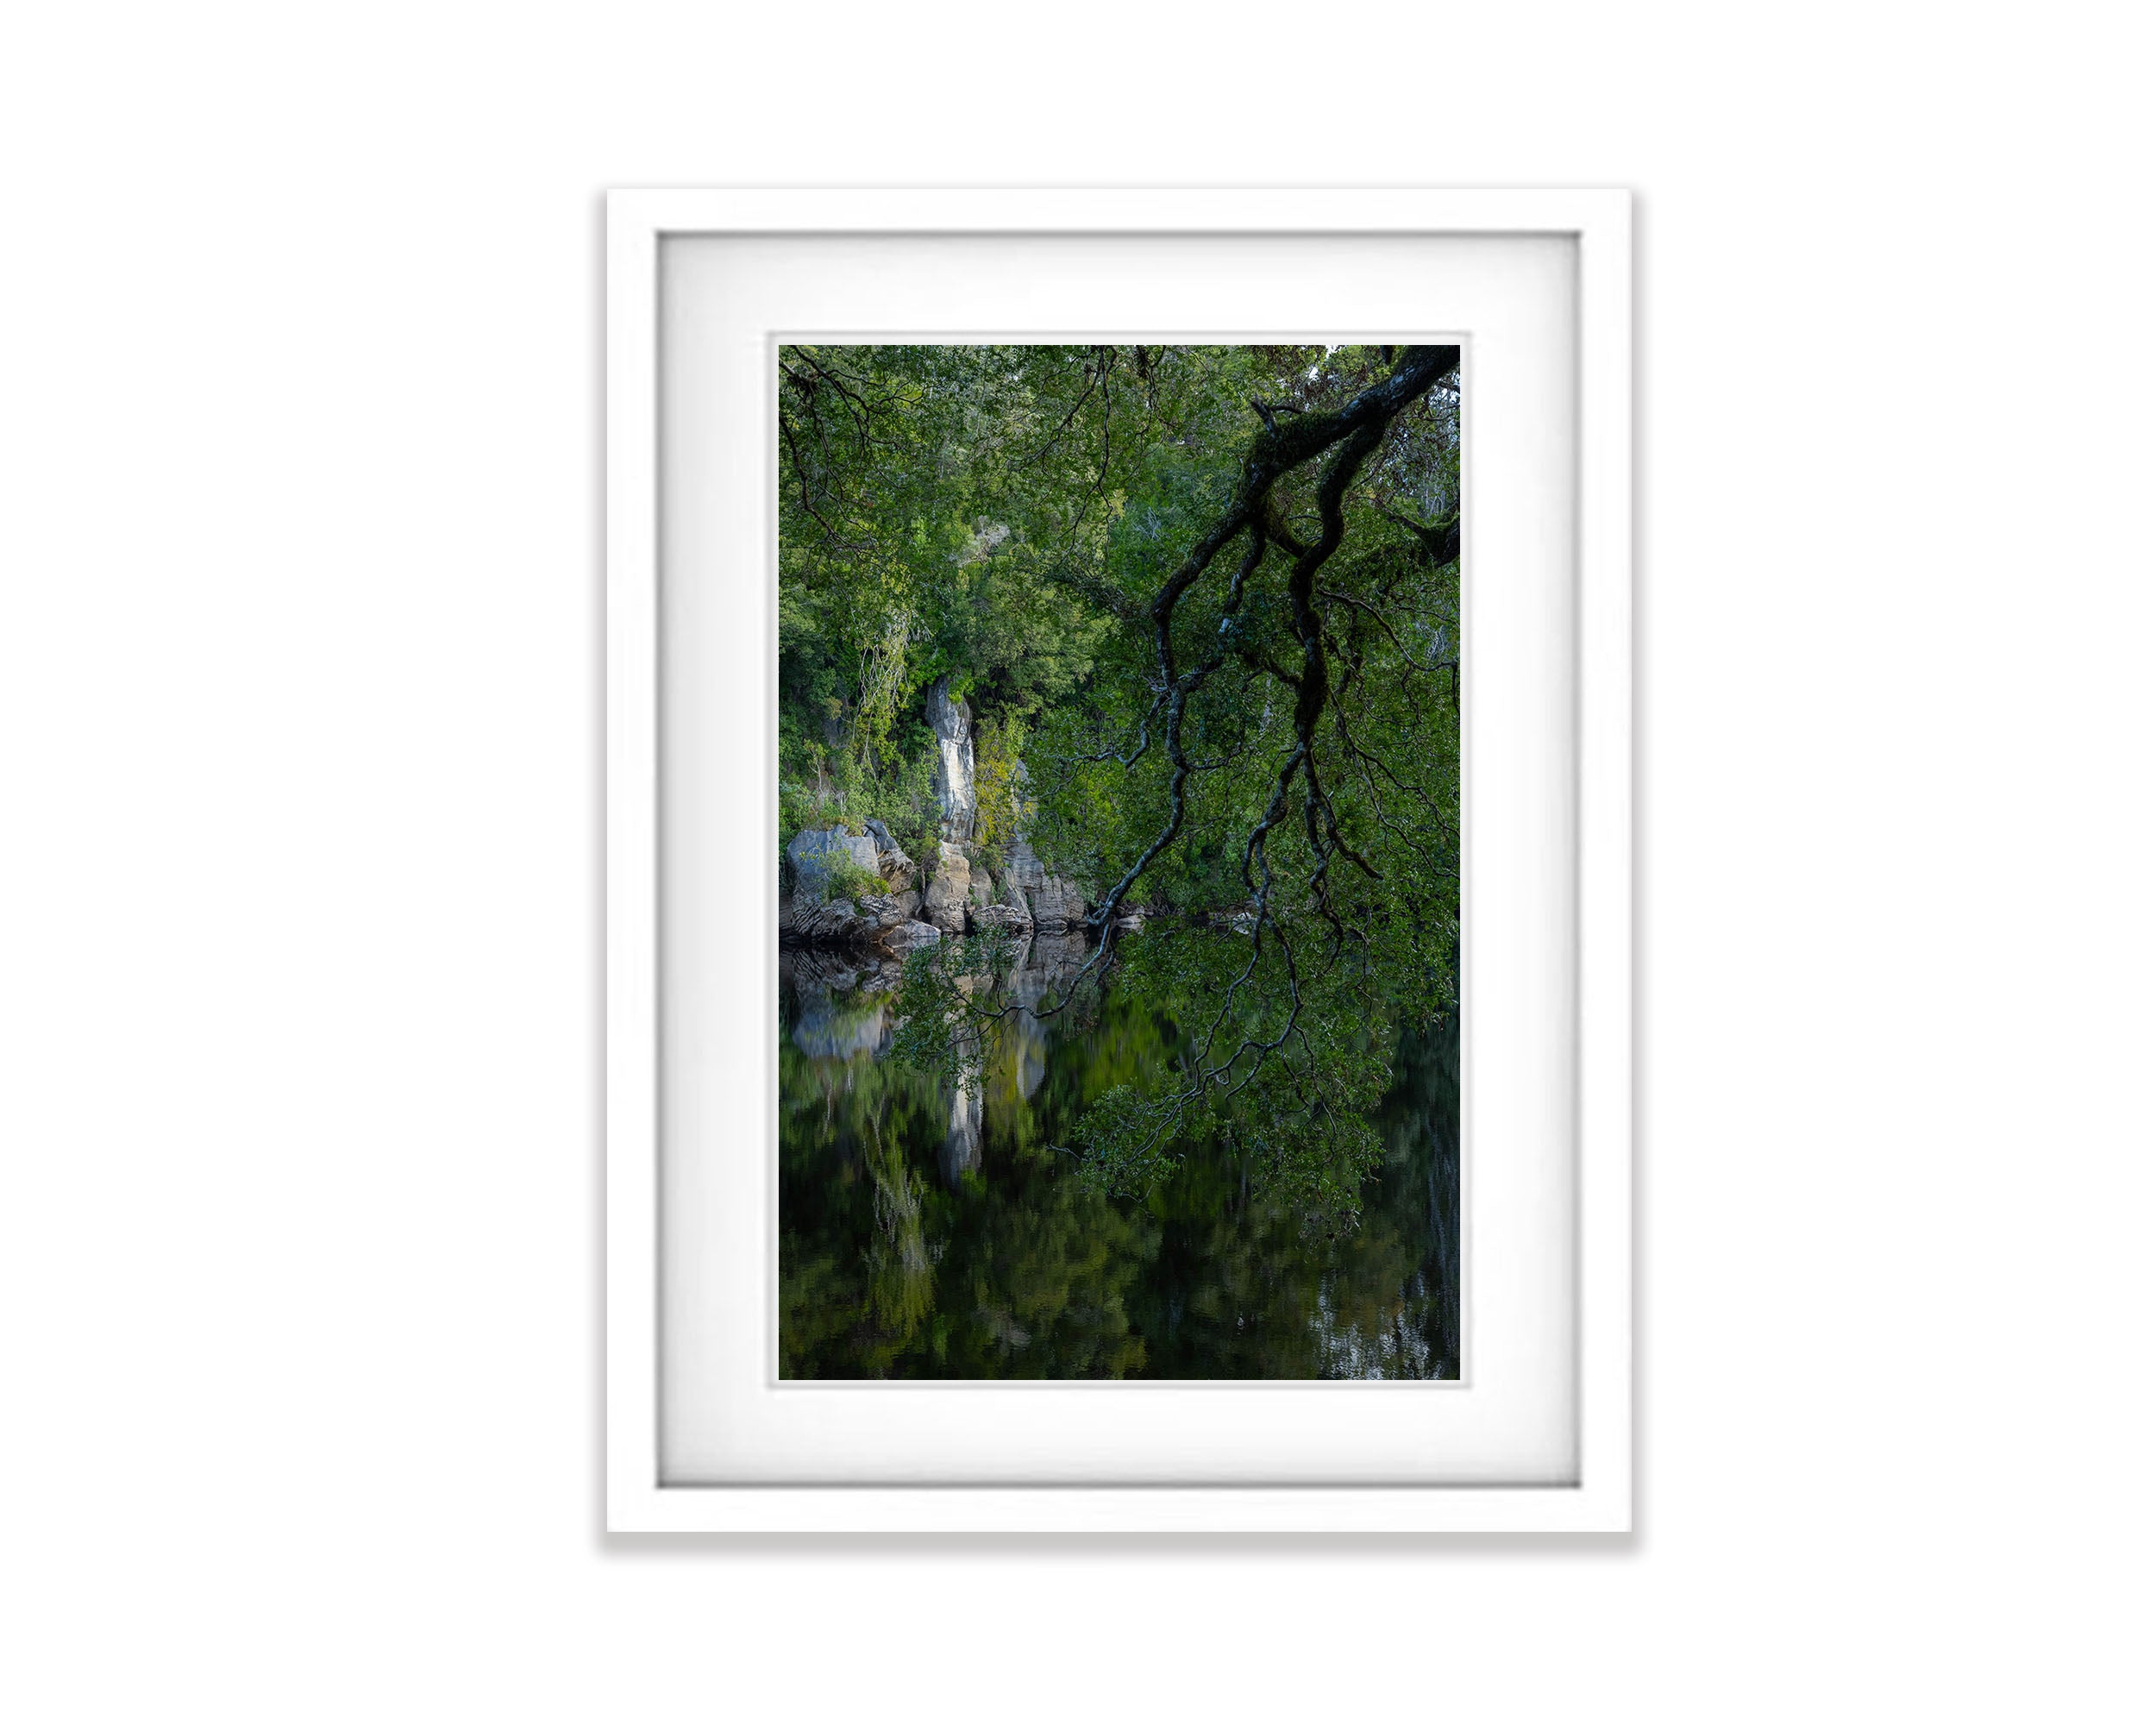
(848, 879)
(819, 786)
(939, 1029)
(1003, 805)
(1212, 593)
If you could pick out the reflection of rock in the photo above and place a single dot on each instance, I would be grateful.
(952, 722)
(949, 888)
(805, 969)
(826, 1029)
(813, 852)
(831, 1021)
(908, 935)
(961, 1144)
(1027, 1039)
(1050, 962)
(890, 971)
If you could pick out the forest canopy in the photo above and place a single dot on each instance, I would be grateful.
(1202, 605)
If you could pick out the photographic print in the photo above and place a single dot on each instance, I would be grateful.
(1119, 693)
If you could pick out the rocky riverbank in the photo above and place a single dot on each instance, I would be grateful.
(860, 890)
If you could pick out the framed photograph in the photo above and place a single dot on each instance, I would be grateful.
(1119, 845)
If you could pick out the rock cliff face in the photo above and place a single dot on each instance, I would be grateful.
(948, 890)
(952, 722)
(958, 891)
(818, 915)
(891, 863)
(1052, 902)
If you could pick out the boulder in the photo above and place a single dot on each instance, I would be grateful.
(1056, 904)
(865, 921)
(948, 890)
(891, 863)
(1050, 902)
(812, 851)
(982, 918)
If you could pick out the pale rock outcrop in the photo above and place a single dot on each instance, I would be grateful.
(948, 890)
(866, 921)
(1052, 902)
(982, 918)
(997, 906)
(891, 862)
(816, 914)
(814, 850)
(952, 722)
(1057, 903)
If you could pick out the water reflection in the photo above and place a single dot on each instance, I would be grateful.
(928, 1230)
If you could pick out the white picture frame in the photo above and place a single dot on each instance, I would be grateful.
(1594, 1225)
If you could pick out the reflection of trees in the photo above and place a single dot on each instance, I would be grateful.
(1014, 1268)
(1241, 1290)
(901, 1280)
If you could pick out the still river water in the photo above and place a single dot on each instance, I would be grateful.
(925, 1232)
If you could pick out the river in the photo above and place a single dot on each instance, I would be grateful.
(926, 1232)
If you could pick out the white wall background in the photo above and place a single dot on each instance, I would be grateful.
(298, 803)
